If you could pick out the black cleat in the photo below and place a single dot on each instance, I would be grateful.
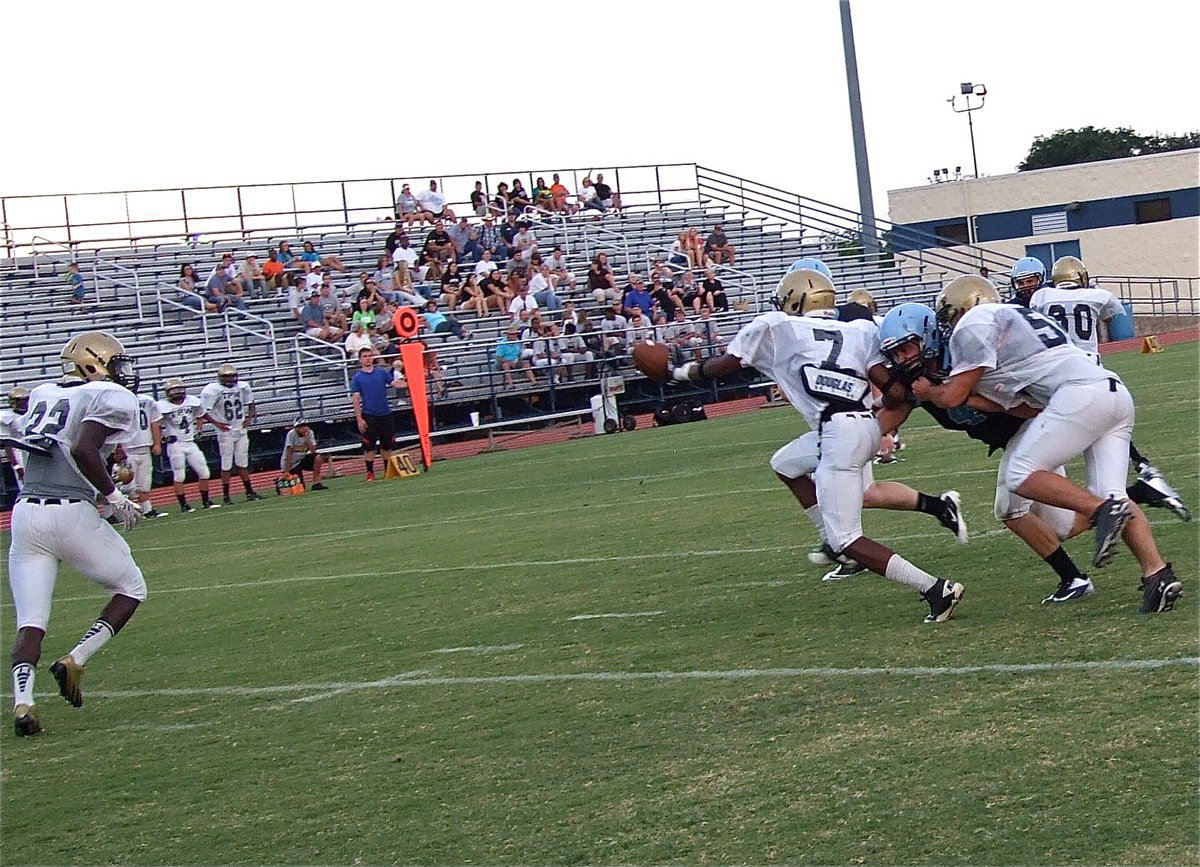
(25, 720)
(187, 507)
(209, 504)
(228, 501)
(1070, 589)
(69, 675)
(1109, 520)
(253, 495)
(943, 597)
(1160, 590)
(952, 516)
(843, 570)
(1153, 489)
(318, 487)
(155, 513)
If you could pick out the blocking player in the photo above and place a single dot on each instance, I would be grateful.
(182, 416)
(55, 520)
(1079, 308)
(1007, 357)
(822, 366)
(229, 405)
(18, 404)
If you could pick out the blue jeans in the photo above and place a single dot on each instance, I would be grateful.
(547, 300)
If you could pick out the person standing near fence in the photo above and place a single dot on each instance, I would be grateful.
(372, 411)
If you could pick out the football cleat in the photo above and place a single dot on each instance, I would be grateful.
(1070, 589)
(155, 513)
(370, 477)
(943, 597)
(1109, 520)
(211, 505)
(1160, 590)
(253, 495)
(886, 459)
(1168, 497)
(187, 507)
(25, 720)
(952, 516)
(844, 570)
(826, 556)
(228, 501)
(69, 675)
(317, 486)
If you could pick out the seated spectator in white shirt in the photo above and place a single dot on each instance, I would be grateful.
(523, 305)
(357, 339)
(433, 203)
(405, 259)
(542, 289)
(485, 265)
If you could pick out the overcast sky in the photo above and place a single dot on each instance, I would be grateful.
(114, 95)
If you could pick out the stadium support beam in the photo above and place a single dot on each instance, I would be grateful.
(866, 202)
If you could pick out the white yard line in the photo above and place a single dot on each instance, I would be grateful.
(319, 691)
(616, 616)
(480, 648)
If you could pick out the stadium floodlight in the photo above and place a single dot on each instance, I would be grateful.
(969, 89)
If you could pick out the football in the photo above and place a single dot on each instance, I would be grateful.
(652, 360)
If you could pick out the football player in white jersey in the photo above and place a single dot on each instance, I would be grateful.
(137, 453)
(182, 416)
(69, 426)
(229, 405)
(822, 366)
(1010, 358)
(18, 403)
(1079, 308)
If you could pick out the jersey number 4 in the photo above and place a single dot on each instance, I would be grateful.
(43, 423)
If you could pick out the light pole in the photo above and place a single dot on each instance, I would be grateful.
(967, 90)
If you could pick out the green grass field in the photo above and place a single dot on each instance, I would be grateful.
(417, 672)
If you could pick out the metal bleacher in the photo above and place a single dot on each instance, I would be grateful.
(132, 293)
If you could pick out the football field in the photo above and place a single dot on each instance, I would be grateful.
(614, 651)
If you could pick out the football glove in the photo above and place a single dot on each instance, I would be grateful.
(125, 510)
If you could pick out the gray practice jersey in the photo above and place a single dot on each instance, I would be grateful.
(1026, 357)
(56, 416)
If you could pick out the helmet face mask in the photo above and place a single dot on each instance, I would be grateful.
(909, 325)
(1028, 275)
(227, 375)
(174, 390)
(959, 296)
(95, 356)
(804, 291)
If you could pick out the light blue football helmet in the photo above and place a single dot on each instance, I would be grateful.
(1027, 267)
(811, 264)
(909, 322)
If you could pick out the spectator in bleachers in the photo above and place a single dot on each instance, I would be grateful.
(508, 356)
(606, 198)
(662, 272)
(439, 248)
(491, 241)
(408, 209)
(587, 197)
(523, 304)
(364, 313)
(691, 293)
(542, 197)
(496, 291)
(525, 240)
(714, 292)
(273, 273)
(518, 199)
(602, 283)
(254, 282)
(542, 289)
(392, 241)
(683, 337)
(666, 300)
(679, 250)
(465, 238)
(545, 353)
(285, 257)
(560, 274)
(315, 321)
(636, 296)
(707, 330)
(188, 282)
(221, 289)
(440, 323)
(508, 231)
(717, 246)
(614, 330)
(573, 349)
(500, 200)
(697, 258)
(310, 254)
(433, 204)
(485, 265)
(381, 342)
(641, 327)
(297, 296)
(451, 289)
(333, 303)
(479, 200)
(357, 338)
(404, 258)
(517, 264)
(472, 297)
(560, 197)
(75, 285)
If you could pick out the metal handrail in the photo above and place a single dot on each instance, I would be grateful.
(1180, 294)
(341, 362)
(201, 311)
(267, 334)
(33, 252)
(137, 288)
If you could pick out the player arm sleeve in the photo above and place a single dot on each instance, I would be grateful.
(972, 348)
(1112, 307)
(114, 410)
(754, 345)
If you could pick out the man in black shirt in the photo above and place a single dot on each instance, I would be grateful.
(393, 240)
(438, 245)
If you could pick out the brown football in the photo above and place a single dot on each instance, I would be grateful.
(652, 360)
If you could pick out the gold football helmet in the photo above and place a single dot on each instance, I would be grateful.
(804, 291)
(1068, 269)
(175, 390)
(227, 375)
(18, 400)
(863, 297)
(960, 295)
(122, 474)
(94, 356)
